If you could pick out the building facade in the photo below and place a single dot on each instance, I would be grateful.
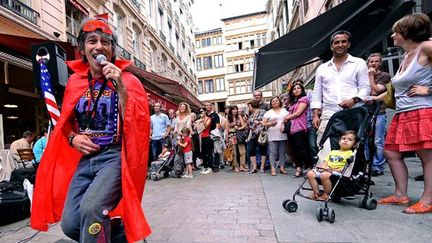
(157, 35)
(211, 67)
(225, 60)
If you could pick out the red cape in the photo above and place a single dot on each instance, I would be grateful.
(60, 161)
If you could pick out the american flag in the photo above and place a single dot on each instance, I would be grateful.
(48, 93)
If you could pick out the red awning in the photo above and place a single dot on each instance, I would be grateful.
(155, 98)
(170, 87)
(22, 45)
(79, 6)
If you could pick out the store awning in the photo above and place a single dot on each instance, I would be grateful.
(170, 88)
(368, 21)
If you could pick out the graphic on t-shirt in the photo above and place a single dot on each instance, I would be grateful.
(101, 119)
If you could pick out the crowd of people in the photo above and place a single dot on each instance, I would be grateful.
(292, 123)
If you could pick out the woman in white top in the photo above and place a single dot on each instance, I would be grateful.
(183, 118)
(273, 120)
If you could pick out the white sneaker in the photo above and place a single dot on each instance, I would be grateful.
(207, 171)
(190, 176)
(203, 171)
(184, 176)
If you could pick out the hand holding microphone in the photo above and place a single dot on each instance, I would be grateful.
(110, 71)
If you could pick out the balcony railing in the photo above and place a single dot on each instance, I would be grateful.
(171, 47)
(162, 36)
(139, 64)
(21, 9)
(120, 51)
(178, 56)
(136, 3)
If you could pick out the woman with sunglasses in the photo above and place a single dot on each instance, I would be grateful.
(89, 175)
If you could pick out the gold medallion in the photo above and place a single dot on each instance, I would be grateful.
(94, 228)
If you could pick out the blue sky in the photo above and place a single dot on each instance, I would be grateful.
(207, 13)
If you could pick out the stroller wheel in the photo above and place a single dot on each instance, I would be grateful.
(284, 203)
(319, 214)
(156, 178)
(291, 206)
(166, 173)
(331, 215)
(371, 204)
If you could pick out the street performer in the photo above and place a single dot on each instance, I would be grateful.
(94, 167)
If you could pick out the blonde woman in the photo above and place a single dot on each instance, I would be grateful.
(183, 118)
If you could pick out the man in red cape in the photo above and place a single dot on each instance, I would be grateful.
(82, 179)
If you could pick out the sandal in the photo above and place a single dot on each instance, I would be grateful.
(273, 173)
(323, 197)
(297, 174)
(313, 196)
(401, 201)
(283, 171)
(418, 208)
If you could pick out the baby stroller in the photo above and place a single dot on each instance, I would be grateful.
(356, 175)
(161, 167)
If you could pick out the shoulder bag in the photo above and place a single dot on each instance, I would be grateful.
(389, 98)
(262, 138)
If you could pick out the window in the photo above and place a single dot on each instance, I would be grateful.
(207, 62)
(252, 43)
(240, 45)
(209, 86)
(198, 64)
(135, 44)
(169, 31)
(238, 87)
(239, 68)
(74, 18)
(200, 88)
(206, 42)
(118, 21)
(197, 43)
(150, 12)
(218, 61)
(220, 84)
(248, 86)
(219, 40)
(231, 88)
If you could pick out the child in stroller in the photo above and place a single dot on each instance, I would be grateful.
(161, 163)
(332, 165)
(356, 172)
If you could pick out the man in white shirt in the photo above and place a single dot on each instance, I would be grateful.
(339, 83)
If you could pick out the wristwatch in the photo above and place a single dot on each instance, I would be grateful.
(430, 90)
(70, 139)
(356, 99)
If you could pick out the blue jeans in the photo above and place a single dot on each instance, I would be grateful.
(95, 190)
(156, 146)
(380, 133)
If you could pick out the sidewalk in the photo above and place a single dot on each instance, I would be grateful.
(227, 207)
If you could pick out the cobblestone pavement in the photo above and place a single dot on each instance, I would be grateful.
(228, 207)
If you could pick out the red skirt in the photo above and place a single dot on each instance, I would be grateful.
(410, 131)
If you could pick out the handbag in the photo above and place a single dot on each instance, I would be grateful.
(262, 138)
(287, 127)
(389, 98)
(241, 136)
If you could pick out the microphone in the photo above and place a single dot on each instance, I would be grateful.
(100, 58)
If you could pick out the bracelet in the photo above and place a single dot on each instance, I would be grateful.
(70, 139)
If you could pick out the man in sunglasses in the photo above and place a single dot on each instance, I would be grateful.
(91, 176)
(339, 83)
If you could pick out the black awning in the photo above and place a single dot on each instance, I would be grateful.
(368, 21)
